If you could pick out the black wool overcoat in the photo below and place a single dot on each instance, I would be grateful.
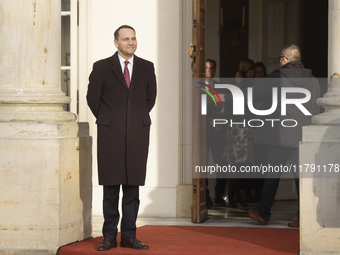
(123, 120)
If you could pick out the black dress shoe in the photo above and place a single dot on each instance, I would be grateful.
(106, 245)
(133, 243)
(228, 203)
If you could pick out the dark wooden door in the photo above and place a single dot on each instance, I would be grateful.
(199, 210)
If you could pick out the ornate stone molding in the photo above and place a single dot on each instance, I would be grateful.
(34, 105)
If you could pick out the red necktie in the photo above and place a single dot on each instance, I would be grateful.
(127, 74)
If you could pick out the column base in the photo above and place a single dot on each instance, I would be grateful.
(319, 193)
(27, 251)
(46, 186)
(43, 105)
(183, 201)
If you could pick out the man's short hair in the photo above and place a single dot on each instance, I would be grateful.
(212, 61)
(116, 34)
(291, 52)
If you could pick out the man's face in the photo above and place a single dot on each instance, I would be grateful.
(283, 59)
(209, 70)
(126, 43)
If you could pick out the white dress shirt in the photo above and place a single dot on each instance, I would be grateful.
(129, 66)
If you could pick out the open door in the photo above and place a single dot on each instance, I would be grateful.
(199, 210)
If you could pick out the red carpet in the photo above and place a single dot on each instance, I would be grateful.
(200, 240)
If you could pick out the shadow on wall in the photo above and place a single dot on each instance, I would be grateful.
(164, 128)
(85, 178)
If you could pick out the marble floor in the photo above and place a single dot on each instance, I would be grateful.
(283, 212)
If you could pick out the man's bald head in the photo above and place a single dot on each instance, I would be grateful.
(291, 52)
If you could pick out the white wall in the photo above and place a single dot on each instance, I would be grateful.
(157, 25)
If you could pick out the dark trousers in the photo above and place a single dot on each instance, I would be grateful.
(130, 205)
(277, 156)
(233, 187)
(215, 142)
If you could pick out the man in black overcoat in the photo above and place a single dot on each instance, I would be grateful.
(121, 93)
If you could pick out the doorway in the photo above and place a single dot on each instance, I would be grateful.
(258, 30)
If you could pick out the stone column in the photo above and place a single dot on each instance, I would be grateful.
(45, 156)
(320, 146)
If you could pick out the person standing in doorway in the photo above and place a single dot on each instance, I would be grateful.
(214, 135)
(284, 141)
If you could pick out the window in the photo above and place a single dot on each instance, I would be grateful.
(69, 42)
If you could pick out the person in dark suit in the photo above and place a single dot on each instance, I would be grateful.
(121, 93)
(283, 141)
(214, 135)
